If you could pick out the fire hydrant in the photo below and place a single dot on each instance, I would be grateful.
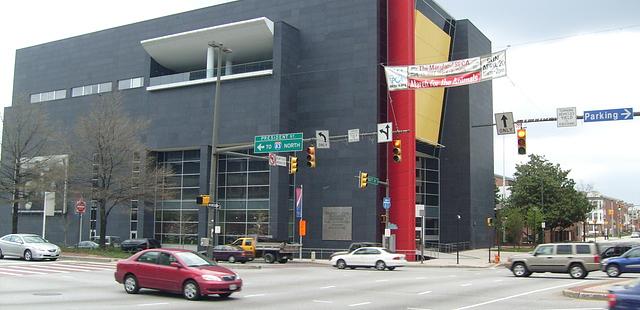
(496, 259)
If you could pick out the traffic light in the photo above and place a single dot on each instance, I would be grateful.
(397, 151)
(203, 200)
(363, 179)
(311, 156)
(522, 141)
(293, 164)
(383, 218)
(489, 222)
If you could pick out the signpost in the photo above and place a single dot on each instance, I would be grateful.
(504, 123)
(621, 114)
(81, 207)
(288, 142)
(567, 117)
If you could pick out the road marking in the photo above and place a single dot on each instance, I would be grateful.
(360, 304)
(580, 309)
(425, 292)
(254, 295)
(466, 284)
(153, 304)
(452, 276)
(323, 301)
(518, 295)
(499, 280)
(78, 267)
(25, 271)
(36, 268)
(11, 274)
(421, 278)
(417, 308)
(384, 280)
(325, 287)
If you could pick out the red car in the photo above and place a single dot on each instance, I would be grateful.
(176, 270)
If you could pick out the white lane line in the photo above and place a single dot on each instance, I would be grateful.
(518, 295)
(452, 276)
(384, 280)
(360, 304)
(254, 295)
(326, 287)
(25, 271)
(499, 280)
(417, 308)
(323, 301)
(153, 304)
(579, 309)
(78, 267)
(421, 278)
(11, 274)
(425, 292)
(65, 268)
(466, 284)
(40, 268)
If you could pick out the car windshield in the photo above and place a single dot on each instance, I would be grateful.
(193, 259)
(34, 239)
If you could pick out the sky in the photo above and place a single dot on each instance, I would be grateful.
(560, 53)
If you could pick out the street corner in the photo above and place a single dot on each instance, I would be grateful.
(594, 291)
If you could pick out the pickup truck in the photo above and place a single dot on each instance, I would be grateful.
(270, 251)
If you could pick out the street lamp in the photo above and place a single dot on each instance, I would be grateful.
(458, 240)
(619, 228)
(212, 210)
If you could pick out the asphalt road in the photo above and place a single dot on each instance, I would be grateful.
(56, 285)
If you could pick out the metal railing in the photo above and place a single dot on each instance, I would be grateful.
(202, 74)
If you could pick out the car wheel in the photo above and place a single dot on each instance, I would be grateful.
(225, 295)
(576, 271)
(341, 264)
(380, 265)
(231, 259)
(131, 284)
(520, 270)
(269, 258)
(391, 268)
(613, 271)
(190, 290)
(27, 255)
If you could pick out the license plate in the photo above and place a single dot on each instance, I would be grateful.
(233, 287)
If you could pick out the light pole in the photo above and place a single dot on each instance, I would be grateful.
(619, 228)
(458, 240)
(213, 177)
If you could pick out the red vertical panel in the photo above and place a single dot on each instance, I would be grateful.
(402, 176)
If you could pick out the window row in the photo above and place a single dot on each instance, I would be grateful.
(86, 90)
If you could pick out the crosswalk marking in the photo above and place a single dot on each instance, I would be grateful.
(43, 268)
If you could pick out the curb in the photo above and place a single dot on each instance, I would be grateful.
(583, 292)
(90, 259)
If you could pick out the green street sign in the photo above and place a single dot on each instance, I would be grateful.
(373, 180)
(285, 142)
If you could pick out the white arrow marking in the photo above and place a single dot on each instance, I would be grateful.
(260, 147)
(626, 113)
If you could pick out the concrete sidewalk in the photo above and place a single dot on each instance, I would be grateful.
(597, 291)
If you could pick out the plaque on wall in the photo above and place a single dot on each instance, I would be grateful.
(336, 223)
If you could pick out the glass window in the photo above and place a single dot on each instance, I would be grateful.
(35, 98)
(124, 84)
(60, 94)
(191, 168)
(191, 180)
(149, 257)
(258, 192)
(563, 249)
(235, 179)
(104, 87)
(260, 178)
(130, 83)
(544, 250)
(583, 249)
(236, 193)
(190, 215)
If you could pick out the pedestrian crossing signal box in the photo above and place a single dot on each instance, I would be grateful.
(203, 200)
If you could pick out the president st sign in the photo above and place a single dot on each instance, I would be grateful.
(608, 115)
(287, 142)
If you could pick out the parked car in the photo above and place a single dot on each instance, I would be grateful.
(134, 245)
(231, 254)
(377, 257)
(578, 259)
(178, 271)
(356, 245)
(635, 234)
(629, 262)
(109, 240)
(625, 297)
(87, 245)
(28, 246)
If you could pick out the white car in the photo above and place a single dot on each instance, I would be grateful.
(28, 246)
(635, 234)
(377, 257)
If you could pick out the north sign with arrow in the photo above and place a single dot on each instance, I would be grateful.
(287, 142)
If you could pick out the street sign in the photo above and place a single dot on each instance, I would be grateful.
(81, 206)
(622, 114)
(386, 203)
(272, 159)
(322, 139)
(385, 132)
(281, 161)
(287, 142)
(393, 226)
(567, 117)
(504, 123)
(354, 135)
(373, 180)
(387, 232)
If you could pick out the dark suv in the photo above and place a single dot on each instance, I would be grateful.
(135, 245)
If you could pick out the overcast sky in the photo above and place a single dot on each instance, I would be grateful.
(561, 53)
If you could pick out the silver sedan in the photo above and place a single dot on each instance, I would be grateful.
(28, 246)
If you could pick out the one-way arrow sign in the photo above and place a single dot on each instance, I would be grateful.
(385, 132)
(504, 123)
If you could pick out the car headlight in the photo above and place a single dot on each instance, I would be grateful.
(209, 277)
(237, 277)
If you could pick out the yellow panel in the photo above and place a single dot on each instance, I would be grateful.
(432, 46)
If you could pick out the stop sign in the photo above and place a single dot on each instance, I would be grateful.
(80, 206)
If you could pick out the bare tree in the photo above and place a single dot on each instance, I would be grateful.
(110, 162)
(26, 137)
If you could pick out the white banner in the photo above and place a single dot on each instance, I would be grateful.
(49, 203)
(447, 74)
